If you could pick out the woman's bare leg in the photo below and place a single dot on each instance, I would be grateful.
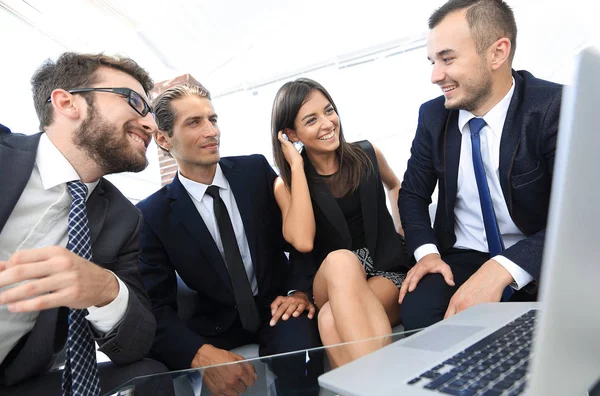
(356, 312)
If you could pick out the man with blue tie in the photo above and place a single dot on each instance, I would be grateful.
(488, 143)
(69, 240)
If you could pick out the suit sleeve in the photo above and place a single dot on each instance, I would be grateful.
(175, 344)
(528, 252)
(302, 271)
(417, 187)
(132, 338)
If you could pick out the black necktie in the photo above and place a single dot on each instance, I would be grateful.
(233, 259)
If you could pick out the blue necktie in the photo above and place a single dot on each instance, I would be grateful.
(80, 376)
(492, 231)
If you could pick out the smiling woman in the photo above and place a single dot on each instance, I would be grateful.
(333, 206)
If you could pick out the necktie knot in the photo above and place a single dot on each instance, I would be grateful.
(213, 191)
(77, 189)
(476, 125)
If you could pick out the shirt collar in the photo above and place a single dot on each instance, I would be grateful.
(494, 118)
(54, 168)
(197, 190)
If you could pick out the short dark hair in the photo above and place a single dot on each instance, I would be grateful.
(164, 112)
(488, 21)
(74, 70)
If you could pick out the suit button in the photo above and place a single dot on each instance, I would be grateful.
(219, 329)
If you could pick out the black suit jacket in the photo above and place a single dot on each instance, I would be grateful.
(114, 227)
(174, 239)
(527, 150)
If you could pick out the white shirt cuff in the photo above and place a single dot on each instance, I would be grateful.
(105, 318)
(424, 250)
(521, 278)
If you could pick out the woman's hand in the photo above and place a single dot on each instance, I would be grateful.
(292, 156)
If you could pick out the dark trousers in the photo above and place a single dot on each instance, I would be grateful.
(428, 303)
(295, 375)
(111, 377)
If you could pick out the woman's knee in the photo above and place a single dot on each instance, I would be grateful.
(341, 264)
(325, 320)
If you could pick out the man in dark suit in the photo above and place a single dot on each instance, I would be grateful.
(489, 143)
(91, 291)
(218, 227)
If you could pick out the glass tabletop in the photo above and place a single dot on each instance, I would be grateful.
(293, 373)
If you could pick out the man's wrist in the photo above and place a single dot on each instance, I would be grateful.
(504, 276)
(424, 250)
(111, 291)
(202, 359)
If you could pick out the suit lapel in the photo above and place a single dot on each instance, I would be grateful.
(452, 144)
(241, 187)
(368, 201)
(510, 140)
(185, 212)
(327, 203)
(17, 158)
(97, 209)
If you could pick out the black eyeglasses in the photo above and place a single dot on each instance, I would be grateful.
(134, 99)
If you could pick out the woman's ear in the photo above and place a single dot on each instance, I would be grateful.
(291, 134)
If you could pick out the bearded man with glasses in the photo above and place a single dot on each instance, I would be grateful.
(68, 238)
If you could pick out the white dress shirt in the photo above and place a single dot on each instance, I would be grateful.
(204, 205)
(469, 228)
(40, 219)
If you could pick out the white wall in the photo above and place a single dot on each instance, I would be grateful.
(378, 100)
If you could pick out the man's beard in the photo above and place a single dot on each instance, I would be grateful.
(475, 92)
(101, 141)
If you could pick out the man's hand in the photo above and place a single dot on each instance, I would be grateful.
(430, 264)
(54, 277)
(294, 305)
(485, 285)
(229, 379)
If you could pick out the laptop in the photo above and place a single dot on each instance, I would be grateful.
(541, 349)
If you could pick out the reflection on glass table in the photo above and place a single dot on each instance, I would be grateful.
(293, 373)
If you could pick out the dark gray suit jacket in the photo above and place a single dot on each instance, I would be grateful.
(114, 226)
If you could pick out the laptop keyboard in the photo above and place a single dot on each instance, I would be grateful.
(496, 365)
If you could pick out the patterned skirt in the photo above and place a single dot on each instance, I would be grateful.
(367, 262)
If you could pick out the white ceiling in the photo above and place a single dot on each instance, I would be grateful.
(224, 44)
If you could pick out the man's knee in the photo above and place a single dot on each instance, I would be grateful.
(426, 304)
(292, 335)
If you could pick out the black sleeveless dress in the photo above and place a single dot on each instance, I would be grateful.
(350, 205)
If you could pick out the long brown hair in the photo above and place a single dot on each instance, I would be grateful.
(353, 161)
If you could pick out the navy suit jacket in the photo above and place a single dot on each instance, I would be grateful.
(527, 149)
(174, 238)
(4, 129)
(114, 228)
